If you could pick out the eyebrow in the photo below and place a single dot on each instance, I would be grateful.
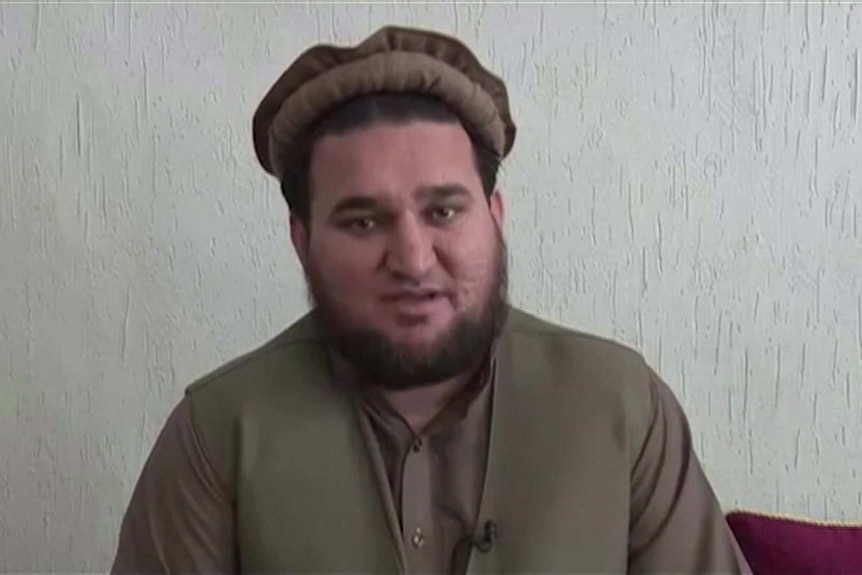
(356, 203)
(443, 192)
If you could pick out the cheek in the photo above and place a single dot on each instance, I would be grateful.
(342, 263)
(471, 262)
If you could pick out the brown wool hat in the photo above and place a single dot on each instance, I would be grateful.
(392, 59)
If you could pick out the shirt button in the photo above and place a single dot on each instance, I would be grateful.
(417, 445)
(418, 539)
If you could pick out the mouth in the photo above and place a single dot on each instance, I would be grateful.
(412, 296)
(415, 304)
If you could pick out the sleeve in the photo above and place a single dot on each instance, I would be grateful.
(180, 518)
(676, 525)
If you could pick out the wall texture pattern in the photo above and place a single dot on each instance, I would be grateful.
(686, 180)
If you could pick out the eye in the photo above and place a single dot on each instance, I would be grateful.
(360, 224)
(443, 214)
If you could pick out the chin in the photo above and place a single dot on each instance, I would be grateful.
(418, 334)
(408, 325)
(415, 331)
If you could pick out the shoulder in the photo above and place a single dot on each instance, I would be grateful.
(282, 375)
(594, 377)
(529, 335)
(254, 373)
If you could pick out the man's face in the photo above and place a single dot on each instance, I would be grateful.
(403, 253)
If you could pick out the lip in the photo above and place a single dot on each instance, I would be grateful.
(412, 295)
(414, 304)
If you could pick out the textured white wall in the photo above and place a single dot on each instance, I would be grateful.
(687, 180)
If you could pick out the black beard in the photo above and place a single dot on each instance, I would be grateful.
(384, 363)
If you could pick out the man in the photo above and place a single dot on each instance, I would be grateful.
(413, 421)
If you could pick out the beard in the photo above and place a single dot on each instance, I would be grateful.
(396, 366)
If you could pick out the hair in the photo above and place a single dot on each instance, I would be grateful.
(363, 112)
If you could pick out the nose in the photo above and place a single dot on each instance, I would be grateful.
(410, 251)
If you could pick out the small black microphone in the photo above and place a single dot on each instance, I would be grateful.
(484, 543)
(489, 537)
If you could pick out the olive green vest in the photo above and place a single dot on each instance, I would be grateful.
(570, 417)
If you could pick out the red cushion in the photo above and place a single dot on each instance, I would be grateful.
(779, 545)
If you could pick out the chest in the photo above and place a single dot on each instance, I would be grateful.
(312, 496)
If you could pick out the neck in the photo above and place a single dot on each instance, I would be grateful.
(420, 405)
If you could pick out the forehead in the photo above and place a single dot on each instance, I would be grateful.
(392, 162)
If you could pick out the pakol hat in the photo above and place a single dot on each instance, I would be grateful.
(393, 59)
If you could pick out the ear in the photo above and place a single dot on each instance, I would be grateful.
(299, 236)
(498, 210)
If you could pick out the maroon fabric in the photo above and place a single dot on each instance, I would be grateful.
(782, 546)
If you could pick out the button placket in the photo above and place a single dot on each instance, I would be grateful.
(416, 506)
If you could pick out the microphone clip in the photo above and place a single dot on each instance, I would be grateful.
(489, 537)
